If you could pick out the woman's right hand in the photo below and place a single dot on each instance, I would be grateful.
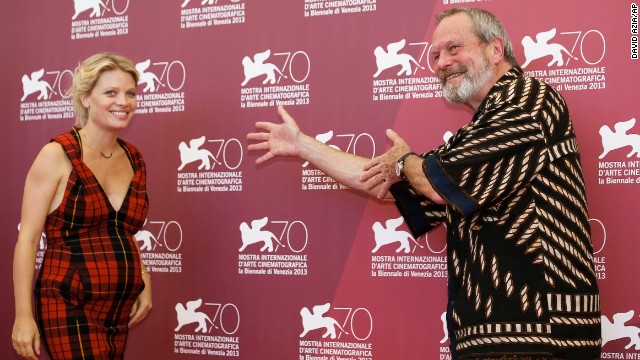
(26, 338)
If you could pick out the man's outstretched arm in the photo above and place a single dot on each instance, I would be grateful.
(286, 139)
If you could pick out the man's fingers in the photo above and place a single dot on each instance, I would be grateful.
(264, 125)
(392, 135)
(384, 189)
(264, 158)
(284, 114)
(261, 136)
(258, 146)
(397, 140)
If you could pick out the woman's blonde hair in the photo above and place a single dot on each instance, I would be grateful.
(87, 74)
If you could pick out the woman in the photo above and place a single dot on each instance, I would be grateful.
(87, 189)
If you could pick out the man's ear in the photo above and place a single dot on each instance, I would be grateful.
(497, 49)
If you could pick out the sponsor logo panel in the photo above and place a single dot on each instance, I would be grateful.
(99, 18)
(211, 13)
(207, 328)
(273, 247)
(275, 79)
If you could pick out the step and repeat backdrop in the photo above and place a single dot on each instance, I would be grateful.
(279, 261)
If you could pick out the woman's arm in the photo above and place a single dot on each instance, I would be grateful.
(43, 184)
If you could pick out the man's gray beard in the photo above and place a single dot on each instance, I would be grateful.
(469, 86)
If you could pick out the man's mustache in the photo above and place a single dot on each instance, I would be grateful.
(444, 74)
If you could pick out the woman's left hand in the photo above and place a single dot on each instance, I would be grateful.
(143, 304)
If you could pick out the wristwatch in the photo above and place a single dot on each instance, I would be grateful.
(400, 164)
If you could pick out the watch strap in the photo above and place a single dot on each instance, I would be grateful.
(400, 163)
(405, 156)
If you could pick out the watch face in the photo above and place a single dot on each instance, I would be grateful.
(399, 169)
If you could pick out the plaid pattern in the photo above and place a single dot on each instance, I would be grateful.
(91, 273)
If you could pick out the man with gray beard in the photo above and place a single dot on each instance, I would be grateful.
(508, 186)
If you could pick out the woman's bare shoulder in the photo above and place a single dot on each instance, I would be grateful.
(52, 159)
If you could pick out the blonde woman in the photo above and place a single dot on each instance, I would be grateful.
(87, 190)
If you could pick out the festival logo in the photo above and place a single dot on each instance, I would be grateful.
(389, 234)
(317, 321)
(283, 79)
(207, 2)
(207, 328)
(42, 246)
(216, 161)
(358, 144)
(622, 150)
(445, 329)
(346, 330)
(148, 78)
(97, 8)
(599, 241)
(257, 68)
(541, 48)
(392, 58)
(188, 315)
(568, 60)
(162, 85)
(44, 97)
(618, 139)
(395, 252)
(89, 20)
(445, 351)
(35, 84)
(160, 242)
(275, 247)
(255, 235)
(314, 8)
(207, 13)
(406, 72)
(618, 329)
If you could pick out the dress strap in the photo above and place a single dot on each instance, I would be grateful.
(70, 142)
(132, 153)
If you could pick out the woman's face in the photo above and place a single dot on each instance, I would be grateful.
(112, 101)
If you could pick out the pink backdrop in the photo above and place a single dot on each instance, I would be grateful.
(201, 239)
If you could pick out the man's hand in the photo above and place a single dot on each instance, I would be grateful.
(278, 139)
(382, 169)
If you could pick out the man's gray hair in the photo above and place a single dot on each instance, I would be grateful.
(487, 27)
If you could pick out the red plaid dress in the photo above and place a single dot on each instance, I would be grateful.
(91, 273)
